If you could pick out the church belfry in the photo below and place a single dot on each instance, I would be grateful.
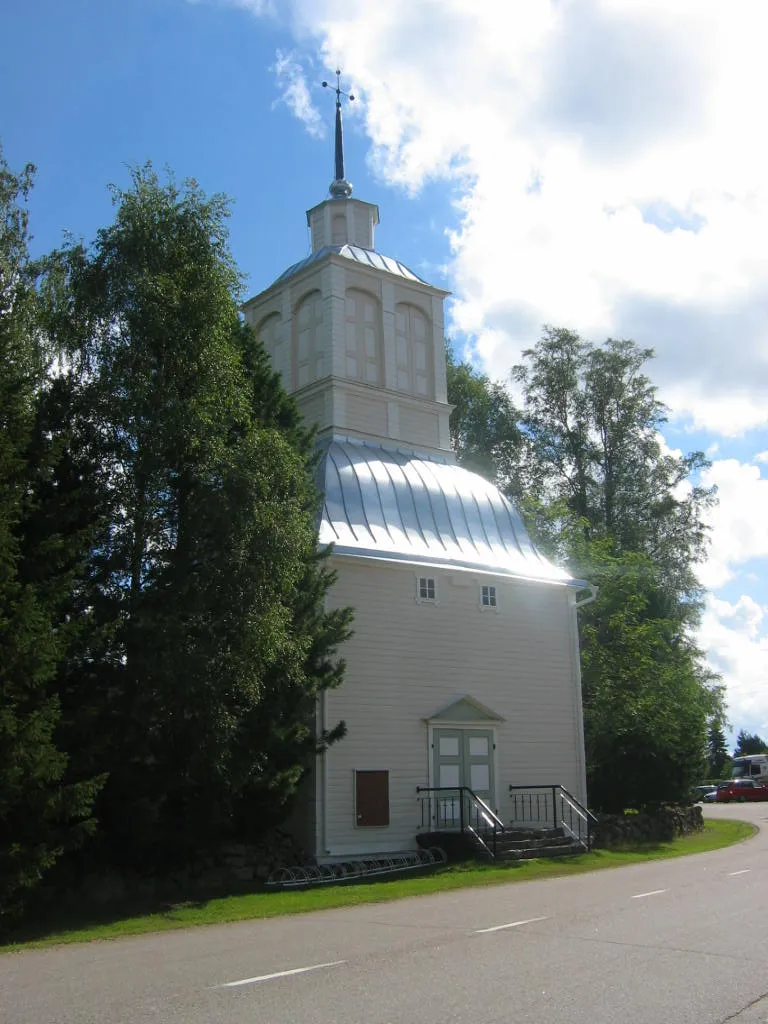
(356, 336)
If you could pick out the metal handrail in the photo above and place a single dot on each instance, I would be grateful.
(493, 823)
(557, 814)
(490, 816)
(579, 806)
(490, 850)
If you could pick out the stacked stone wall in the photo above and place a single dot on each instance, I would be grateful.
(666, 824)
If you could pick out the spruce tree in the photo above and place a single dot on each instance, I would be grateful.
(717, 751)
(749, 743)
(43, 810)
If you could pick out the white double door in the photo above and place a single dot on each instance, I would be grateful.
(463, 758)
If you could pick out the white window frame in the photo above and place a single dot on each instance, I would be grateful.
(492, 593)
(426, 600)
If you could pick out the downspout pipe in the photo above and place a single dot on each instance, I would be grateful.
(579, 707)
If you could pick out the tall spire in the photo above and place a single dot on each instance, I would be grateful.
(340, 188)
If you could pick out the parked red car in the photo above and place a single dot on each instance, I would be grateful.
(741, 789)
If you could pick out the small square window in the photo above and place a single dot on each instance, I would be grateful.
(488, 597)
(426, 588)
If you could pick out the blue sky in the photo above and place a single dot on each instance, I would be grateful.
(98, 87)
(622, 195)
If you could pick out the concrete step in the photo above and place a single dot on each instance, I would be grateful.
(540, 851)
(533, 833)
(504, 843)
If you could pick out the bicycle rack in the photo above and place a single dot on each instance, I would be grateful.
(344, 871)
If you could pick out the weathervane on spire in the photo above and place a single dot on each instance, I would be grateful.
(340, 187)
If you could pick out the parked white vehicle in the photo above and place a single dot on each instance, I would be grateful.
(751, 766)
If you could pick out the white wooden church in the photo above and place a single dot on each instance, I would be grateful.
(463, 670)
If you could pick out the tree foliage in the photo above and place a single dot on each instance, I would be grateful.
(43, 810)
(163, 633)
(591, 445)
(588, 469)
(483, 424)
(647, 698)
(209, 640)
(749, 743)
(718, 757)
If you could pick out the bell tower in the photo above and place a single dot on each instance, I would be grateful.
(356, 336)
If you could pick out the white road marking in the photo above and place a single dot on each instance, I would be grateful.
(279, 974)
(653, 892)
(512, 924)
(744, 871)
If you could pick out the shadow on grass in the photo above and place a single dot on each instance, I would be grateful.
(84, 922)
(50, 921)
(46, 922)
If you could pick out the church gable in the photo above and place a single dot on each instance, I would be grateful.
(466, 709)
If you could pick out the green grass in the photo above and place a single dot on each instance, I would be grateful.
(252, 906)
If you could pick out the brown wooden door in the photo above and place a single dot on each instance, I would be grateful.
(372, 798)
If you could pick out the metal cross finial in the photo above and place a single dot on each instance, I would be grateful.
(338, 90)
(340, 187)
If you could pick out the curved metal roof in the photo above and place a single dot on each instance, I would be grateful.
(382, 503)
(368, 257)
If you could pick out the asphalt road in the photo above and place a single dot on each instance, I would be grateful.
(669, 942)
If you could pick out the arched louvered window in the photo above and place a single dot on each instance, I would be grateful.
(308, 361)
(413, 351)
(363, 337)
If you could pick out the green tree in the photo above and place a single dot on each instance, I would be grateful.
(43, 810)
(592, 445)
(717, 752)
(749, 743)
(483, 424)
(646, 706)
(600, 493)
(599, 473)
(206, 581)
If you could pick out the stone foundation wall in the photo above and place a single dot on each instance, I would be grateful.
(237, 866)
(666, 824)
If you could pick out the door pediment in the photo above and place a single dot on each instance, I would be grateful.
(466, 710)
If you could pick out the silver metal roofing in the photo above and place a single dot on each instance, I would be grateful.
(382, 503)
(368, 257)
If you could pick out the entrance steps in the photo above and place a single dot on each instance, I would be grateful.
(525, 844)
(513, 844)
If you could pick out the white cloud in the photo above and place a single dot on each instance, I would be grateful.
(295, 91)
(739, 522)
(761, 457)
(675, 453)
(610, 171)
(736, 641)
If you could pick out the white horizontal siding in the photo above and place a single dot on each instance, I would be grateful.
(408, 660)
